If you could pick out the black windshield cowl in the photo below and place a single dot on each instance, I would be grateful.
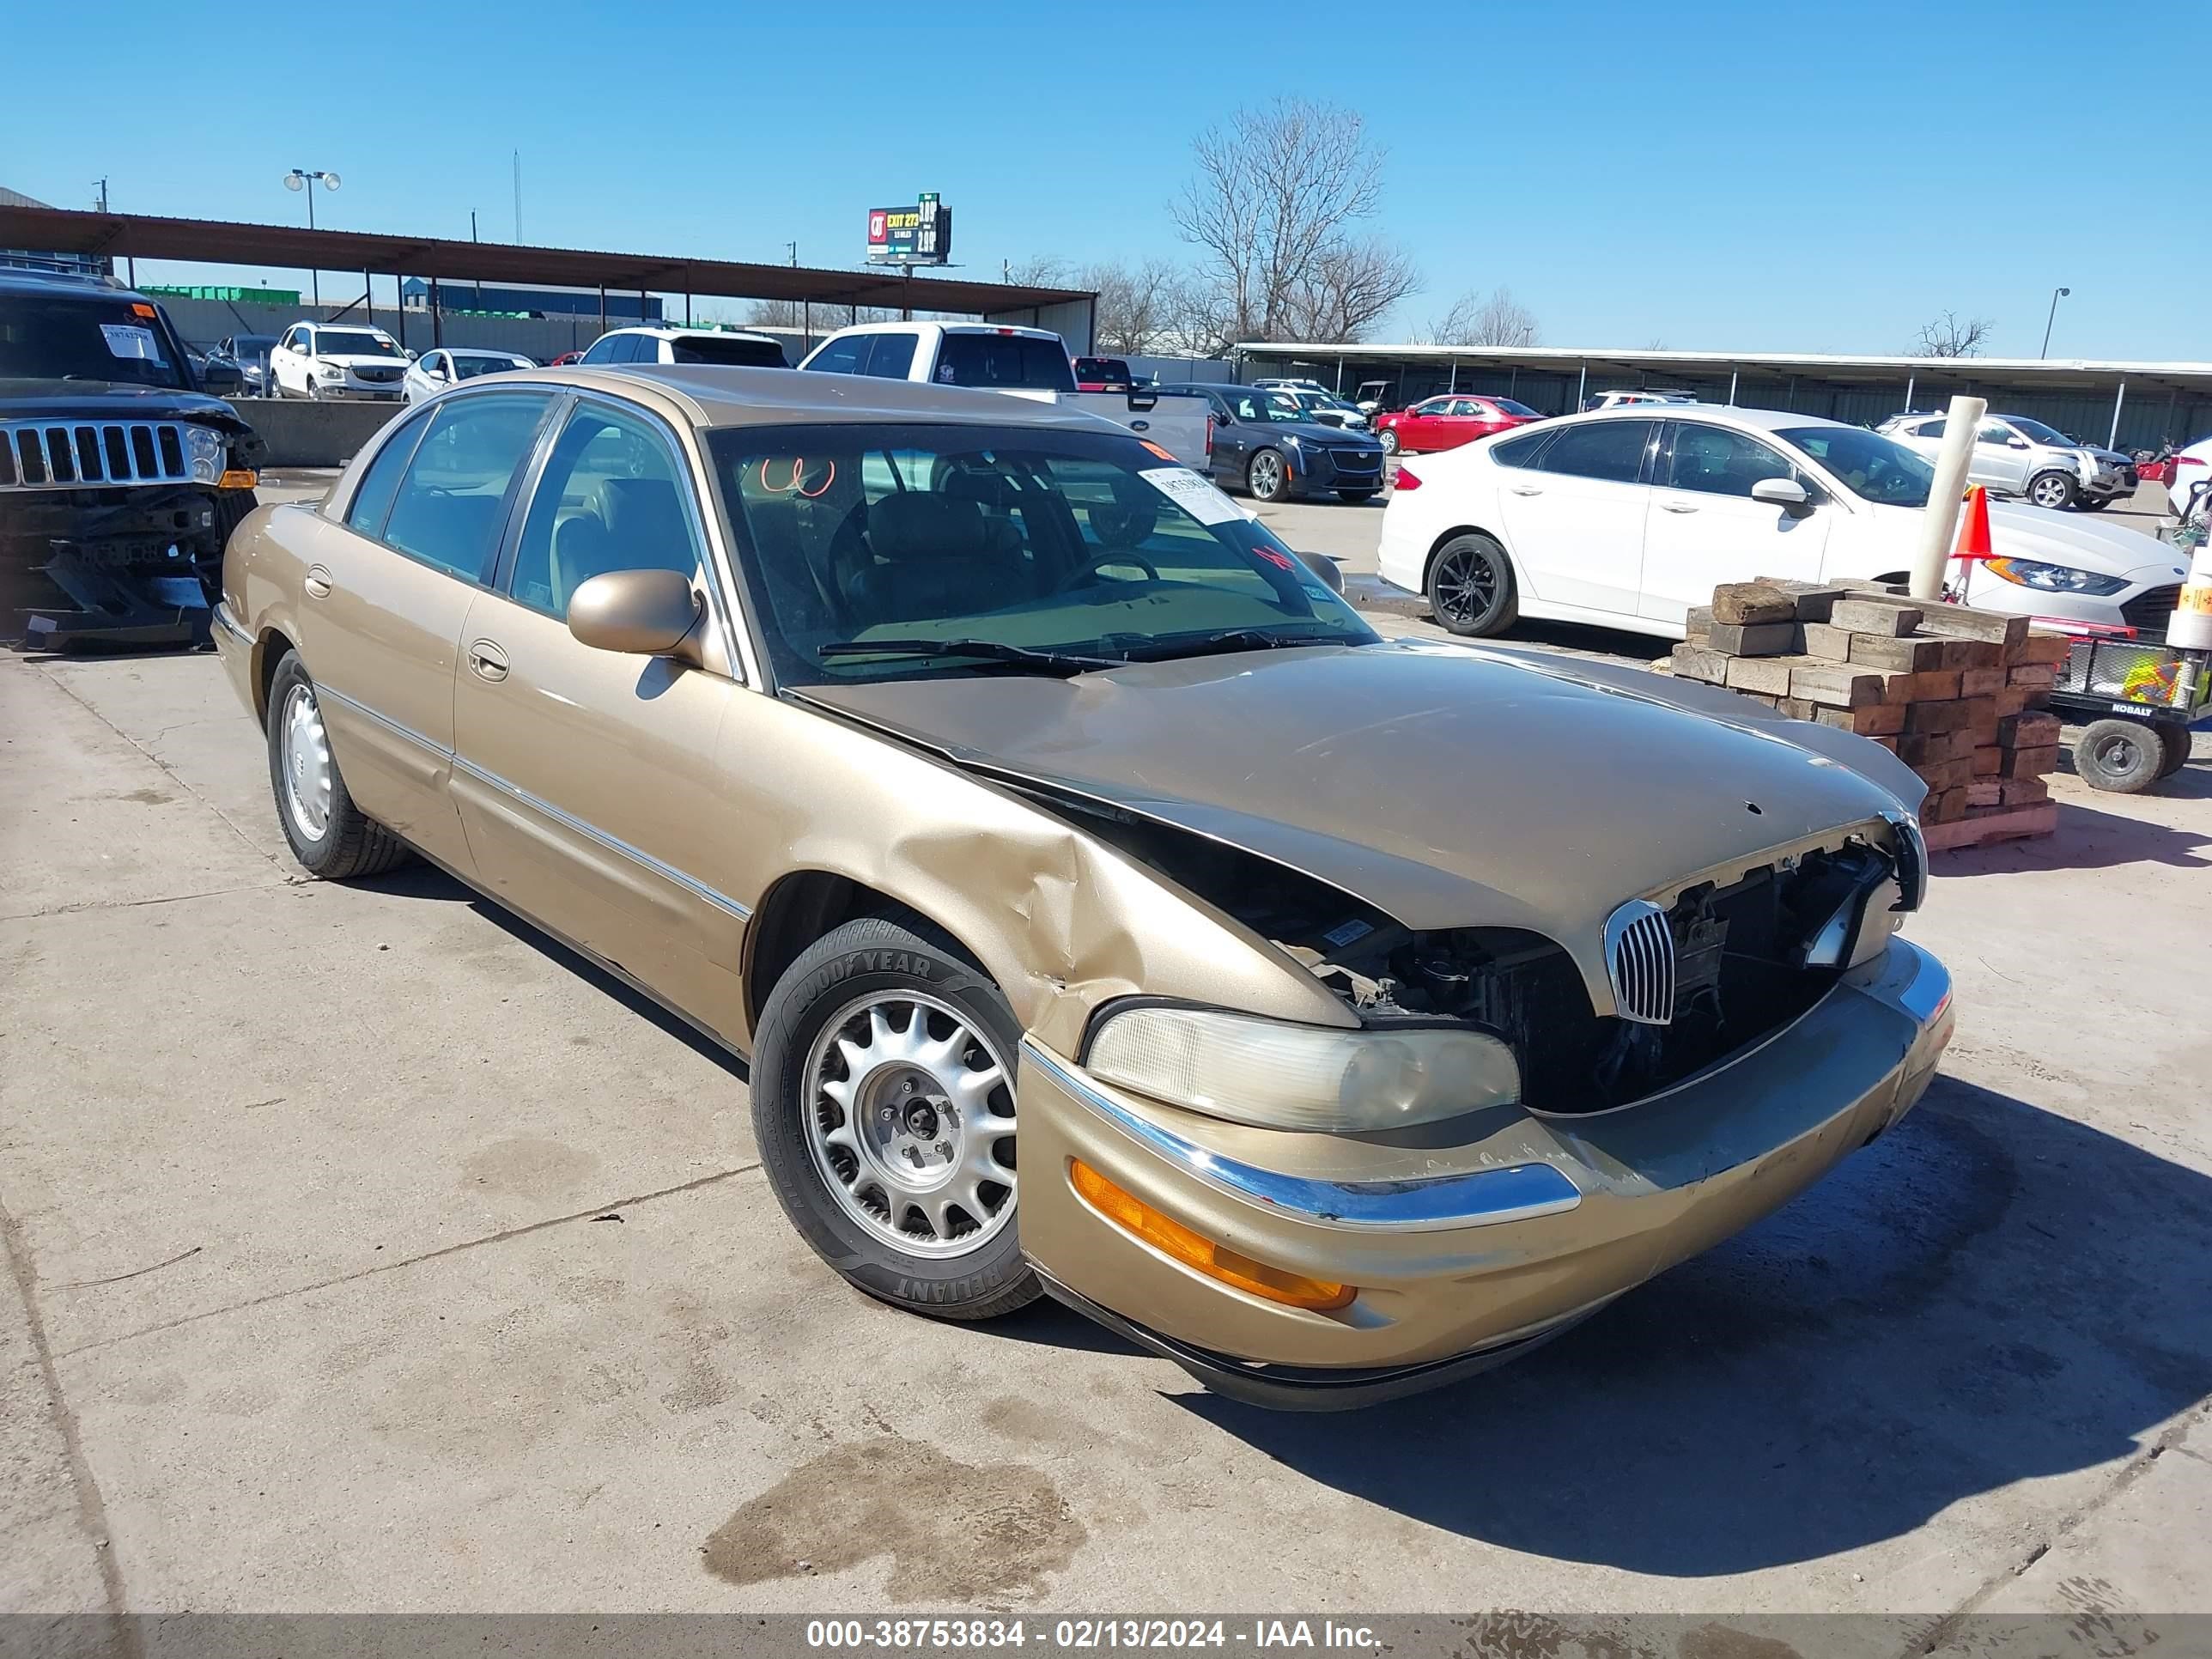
(1219, 643)
(1023, 656)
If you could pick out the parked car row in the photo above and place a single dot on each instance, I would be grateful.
(2014, 455)
(1628, 517)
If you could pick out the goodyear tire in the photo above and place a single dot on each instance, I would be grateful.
(882, 1104)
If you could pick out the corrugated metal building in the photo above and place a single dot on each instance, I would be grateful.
(2129, 406)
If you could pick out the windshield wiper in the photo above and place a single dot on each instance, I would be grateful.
(1227, 640)
(1050, 662)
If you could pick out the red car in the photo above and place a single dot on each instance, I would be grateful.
(1102, 374)
(1448, 422)
(565, 359)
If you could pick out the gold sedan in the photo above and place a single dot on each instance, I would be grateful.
(1363, 1012)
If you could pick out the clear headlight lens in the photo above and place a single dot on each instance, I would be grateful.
(330, 371)
(205, 452)
(2054, 578)
(1276, 1076)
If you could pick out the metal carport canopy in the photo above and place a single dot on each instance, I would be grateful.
(214, 241)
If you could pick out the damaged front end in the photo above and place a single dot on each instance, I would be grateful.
(112, 533)
(1743, 958)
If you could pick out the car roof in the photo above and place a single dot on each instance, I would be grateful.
(678, 331)
(478, 351)
(1758, 420)
(950, 328)
(711, 395)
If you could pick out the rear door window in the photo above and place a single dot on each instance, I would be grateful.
(890, 356)
(730, 350)
(1610, 450)
(451, 505)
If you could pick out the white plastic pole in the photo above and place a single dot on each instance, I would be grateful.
(1939, 523)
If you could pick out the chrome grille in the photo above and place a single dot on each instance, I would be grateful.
(1639, 959)
(364, 372)
(53, 454)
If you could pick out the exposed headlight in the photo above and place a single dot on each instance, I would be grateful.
(330, 371)
(205, 452)
(2053, 578)
(1277, 1076)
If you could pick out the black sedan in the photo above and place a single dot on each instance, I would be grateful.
(1264, 443)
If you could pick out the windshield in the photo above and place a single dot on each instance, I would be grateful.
(1879, 469)
(467, 365)
(1253, 404)
(1507, 406)
(730, 351)
(1082, 543)
(2040, 433)
(353, 343)
(90, 338)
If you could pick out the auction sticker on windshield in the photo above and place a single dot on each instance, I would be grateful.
(1193, 495)
(129, 340)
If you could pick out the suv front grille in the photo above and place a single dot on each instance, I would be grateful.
(378, 374)
(52, 454)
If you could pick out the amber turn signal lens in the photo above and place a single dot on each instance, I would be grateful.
(238, 478)
(1172, 1238)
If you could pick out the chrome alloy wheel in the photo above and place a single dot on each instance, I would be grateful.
(909, 1116)
(305, 763)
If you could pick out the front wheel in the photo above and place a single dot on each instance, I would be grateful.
(1471, 586)
(2120, 756)
(330, 836)
(1266, 476)
(2052, 490)
(883, 1103)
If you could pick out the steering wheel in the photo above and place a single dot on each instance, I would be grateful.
(1110, 556)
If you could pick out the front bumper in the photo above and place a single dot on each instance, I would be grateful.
(359, 392)
(1469, 1242)
(93, 567)
(1337, 469)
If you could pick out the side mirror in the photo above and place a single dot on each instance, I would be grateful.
(2015, 443)
(1323, 567)
(1223, 417)
(1780, 492)
(223, 378)
(435, 371)
(646, 613)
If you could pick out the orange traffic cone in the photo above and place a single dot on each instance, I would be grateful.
(1974, 527)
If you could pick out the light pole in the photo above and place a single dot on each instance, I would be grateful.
(2056, 293)
(304, 179)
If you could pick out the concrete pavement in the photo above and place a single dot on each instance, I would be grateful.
(369, 1251)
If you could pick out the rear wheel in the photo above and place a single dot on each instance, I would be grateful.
(328, 834)
(1389, 441)
(882, 1103)
(1471, 586)
(2052, 490)
(2120, 756)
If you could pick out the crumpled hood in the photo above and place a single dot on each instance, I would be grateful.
(110, 400)
(1447, 786)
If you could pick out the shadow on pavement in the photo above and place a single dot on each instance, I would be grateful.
(1988, 1294)
(2087, 839)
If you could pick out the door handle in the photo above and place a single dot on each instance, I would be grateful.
(316, 582)
(1676, 507)
(1525, 489)
(488, 661)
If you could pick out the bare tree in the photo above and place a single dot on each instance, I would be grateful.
(1042, 270)
(825, 316)
(1946, 337)
(1351, 286)
(1136, 305)
(1277, 190)
(1496, 318)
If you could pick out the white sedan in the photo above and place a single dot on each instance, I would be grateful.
(449, 366)
(1628, 517)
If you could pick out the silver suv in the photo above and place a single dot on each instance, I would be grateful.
(2017, 456)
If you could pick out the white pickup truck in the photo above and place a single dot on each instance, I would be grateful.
(1027, 362)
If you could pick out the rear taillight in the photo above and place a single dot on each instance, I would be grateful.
(1407, 479)
(2190, 460)
(1209, 437)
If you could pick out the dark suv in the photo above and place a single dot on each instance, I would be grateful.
(120, 476)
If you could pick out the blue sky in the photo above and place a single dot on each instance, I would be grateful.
(1752, 177)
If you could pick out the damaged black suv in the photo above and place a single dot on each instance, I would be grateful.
(120, 476)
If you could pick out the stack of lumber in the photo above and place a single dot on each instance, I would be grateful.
(1955, 694)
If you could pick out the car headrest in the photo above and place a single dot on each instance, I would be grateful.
(644, 518)
(917, 525)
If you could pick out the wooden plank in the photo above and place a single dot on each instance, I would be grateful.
(1767, 675)
(1692, 662)
(1897, 655)
(1981, 682)
(2011, 699)
(1835, 685)
(1973, 653)
(2001, 825)
(1752, 639)
(2028, 731)
(1833, 643)
(2023, 792)
(2040, 675)
(1873, 616)
(1935, 685)
(1964, 622)
(2028, 763)
(1740, 604)
(2041, 649)
(1935, 716)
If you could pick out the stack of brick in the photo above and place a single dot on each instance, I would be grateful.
(1956, 694)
